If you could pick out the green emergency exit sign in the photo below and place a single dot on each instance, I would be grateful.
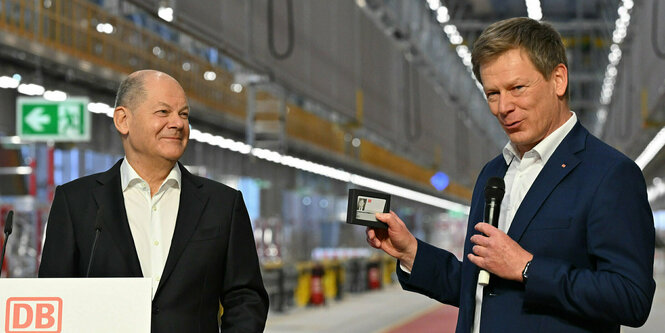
(38, 119)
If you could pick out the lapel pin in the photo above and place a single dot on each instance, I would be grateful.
(563, 165)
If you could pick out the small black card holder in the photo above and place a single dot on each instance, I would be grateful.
(364, 204)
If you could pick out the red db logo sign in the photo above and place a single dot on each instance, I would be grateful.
(33, 314)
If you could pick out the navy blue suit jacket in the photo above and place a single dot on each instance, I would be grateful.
(588, 224)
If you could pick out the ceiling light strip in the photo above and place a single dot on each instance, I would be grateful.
(534, 10)
(455, 38)
(265, 154)
(651, 149)
(305, 165)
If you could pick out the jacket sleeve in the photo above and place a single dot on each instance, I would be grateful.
(619, 287)
(60, 256)
(244, 298)
(436, 273)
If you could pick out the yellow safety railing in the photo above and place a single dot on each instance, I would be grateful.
(70, 27)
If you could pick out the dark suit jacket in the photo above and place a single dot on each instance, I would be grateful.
(212, 258)
(587, 221)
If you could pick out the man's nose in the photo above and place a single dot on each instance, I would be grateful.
(176, 121)
(506, 103)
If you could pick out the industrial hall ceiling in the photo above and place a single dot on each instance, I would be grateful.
(370, 86)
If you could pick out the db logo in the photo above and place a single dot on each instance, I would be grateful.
(33, 314)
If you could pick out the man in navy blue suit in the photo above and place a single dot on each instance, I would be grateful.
(574, 248)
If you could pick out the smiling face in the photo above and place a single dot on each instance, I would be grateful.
(155, 129)
(528, 106)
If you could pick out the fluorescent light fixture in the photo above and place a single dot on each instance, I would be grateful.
(434, 4)
(101, 108)
(327, 171)
(165, 13)
(55, 95)
(105, 28)
(9, 82)
(409, 194)
(442, 15)
(455, 38)
(620, 31)
(31, 89)
(210, 76)
(533, 9)
(20, 170)
(651, 149)
(236, 88)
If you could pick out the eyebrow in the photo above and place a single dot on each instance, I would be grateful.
(168, 106)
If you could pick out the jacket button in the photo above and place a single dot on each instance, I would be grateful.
(155, 310)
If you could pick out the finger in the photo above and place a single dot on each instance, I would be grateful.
(479, 251)
(475, 260)
(373, 242)
(478, 239)
(481, 239)
(485, 228)
(370, 233)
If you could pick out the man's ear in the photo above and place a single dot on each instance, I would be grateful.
(120, 119)
(560, 77)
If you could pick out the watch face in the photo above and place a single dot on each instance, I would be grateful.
(525, 272)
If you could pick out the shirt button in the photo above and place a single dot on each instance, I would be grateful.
(154, 208)
(156, 243)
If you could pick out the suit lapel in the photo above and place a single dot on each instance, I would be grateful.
(192, 203)
(111, 202)
(560, 164)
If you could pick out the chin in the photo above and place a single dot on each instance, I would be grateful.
(172, 156)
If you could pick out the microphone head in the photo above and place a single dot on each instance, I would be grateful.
(495, 189)
(9, 222)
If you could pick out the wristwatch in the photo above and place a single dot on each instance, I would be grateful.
(525, 272)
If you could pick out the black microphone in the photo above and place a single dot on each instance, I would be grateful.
(99, 222)
(494, 191)
(8, 231)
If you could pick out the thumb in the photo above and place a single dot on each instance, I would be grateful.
(391, 219)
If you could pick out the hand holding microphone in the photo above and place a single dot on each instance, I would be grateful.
(494, 191)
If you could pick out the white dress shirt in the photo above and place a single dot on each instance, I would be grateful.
(521, 173)
(151, 218)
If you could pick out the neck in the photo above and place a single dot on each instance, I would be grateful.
(153, 172)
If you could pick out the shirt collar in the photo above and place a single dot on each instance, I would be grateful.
(129, 176)
(547, 146)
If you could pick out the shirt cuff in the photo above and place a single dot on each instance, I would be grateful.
(406, 270)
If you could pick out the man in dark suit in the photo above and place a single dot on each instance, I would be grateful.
(191, 235)
(575, 244)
